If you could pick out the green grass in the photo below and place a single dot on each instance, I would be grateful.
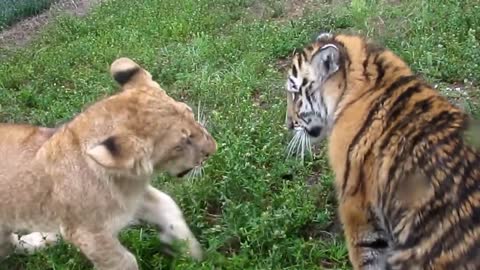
(253, 209)
(12, 11)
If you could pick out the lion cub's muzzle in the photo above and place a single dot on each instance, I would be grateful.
(207, 149)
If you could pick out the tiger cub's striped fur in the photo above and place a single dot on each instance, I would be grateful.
(408, 185)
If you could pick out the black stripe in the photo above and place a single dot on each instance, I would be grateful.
(440, 123)
(398, 214)
(365, 72)
(375, 221)
(304, 82)
(419, 231)
(471, 257)
(361, 97)
(345, 56)
(347, 60)
(294, 71)
(391, 185)
(432, 149)
(306, 94)
(322, 103)
(300, 59)
(369, 91)
(401, 81)
(431, 210)
(344, 89)
(395, 69)
(304, 54)
(458, 231)
(345, 82)
(399, 104)
(380, 70)
(447, 119)
(312, 95)
(436, 204)
(309, 99)
(369, 50)
(429, 167)
(419, 108)
(376, 244)
(360, 186)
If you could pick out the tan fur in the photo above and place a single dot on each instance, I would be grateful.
(90, 177)
(407, 183)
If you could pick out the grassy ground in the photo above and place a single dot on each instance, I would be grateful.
(253, 209)
(12, 11)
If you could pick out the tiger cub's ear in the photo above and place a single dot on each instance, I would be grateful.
(117, 152)
(326, 61)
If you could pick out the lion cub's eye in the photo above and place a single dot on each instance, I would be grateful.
(183, 143)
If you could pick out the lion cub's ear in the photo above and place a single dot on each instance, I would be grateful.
(127, 72)
(116, 152)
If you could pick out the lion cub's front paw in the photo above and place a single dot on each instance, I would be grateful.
(194, 247)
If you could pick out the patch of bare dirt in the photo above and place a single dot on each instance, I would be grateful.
(213, 213)
(287, 9)
(296, 8)
(21, 33)
(282, 64)
(313, 179)
(325, 232)
(231, 246)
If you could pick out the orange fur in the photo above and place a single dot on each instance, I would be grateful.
(408, 185)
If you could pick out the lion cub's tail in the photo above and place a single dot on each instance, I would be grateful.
(126, 71)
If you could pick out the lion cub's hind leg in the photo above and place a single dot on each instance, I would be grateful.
(102, 248)
(6, 247)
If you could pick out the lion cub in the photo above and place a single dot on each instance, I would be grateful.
(90, 177)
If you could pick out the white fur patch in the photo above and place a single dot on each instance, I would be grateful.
(293, 84)
(164, 212)
(30, 243)
(329, 46)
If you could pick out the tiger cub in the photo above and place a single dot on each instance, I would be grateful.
(407, 182)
